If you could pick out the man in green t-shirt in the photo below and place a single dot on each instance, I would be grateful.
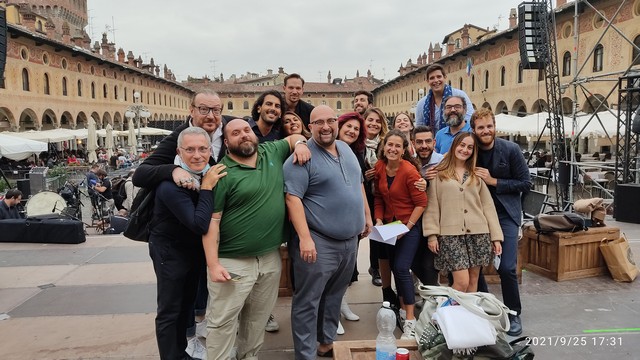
(244, 237)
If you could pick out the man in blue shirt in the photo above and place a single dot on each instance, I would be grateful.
(455, 115)
(430, 109)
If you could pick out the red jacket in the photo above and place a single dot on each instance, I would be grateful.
(399, 201)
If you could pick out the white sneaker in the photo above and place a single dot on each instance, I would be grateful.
(340, 329)
(272, 324)
(201, 329)
(195, 349)
(409, 329)
(346, 311)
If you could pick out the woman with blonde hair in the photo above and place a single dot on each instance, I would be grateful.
(461, 223)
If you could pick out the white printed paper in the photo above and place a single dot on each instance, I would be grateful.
(388, 233)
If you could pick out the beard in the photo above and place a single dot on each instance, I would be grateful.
(322, 141)
(454, 120)
(245, 149)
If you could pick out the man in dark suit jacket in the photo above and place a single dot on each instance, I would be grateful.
(503, 168)
(206, 112)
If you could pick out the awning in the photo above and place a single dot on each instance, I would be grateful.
(16, 148)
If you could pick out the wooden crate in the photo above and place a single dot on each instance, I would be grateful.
(565, 256)
(366, 349)
(285, 288)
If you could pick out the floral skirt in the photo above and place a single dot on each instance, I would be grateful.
(458, 252)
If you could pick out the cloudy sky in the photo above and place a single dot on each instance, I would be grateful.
(310, 37)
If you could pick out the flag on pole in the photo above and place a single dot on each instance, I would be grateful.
(469, 66)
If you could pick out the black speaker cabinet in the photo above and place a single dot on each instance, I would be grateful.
(627, 203)
(25, 187)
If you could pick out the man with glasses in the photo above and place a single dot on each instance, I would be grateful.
(430, 109)
(293, 91)
(205, 112)
(455, 115)
(266, 121)
(328, 208)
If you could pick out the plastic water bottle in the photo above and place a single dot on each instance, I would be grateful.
(386, 342)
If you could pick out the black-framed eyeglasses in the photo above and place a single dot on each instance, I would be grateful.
(456, 106)
(205, 110)
(201, 150)
(321, 122)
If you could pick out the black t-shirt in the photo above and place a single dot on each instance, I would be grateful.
(108, 194)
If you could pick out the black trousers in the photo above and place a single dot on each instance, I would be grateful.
(423, 266)
(178, 267)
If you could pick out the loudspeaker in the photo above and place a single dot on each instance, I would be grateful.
(3, 41)
(25, 187)
(626, 204)
(532, 38)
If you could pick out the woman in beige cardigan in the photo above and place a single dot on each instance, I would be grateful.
(461, 223)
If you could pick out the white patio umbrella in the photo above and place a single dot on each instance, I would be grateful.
(109, 141)
(92, 141)
(132, 141)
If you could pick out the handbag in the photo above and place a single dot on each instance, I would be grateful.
(432, 343)
(619, 258)
(141, 216)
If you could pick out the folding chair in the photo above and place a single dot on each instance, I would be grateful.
(533, 203)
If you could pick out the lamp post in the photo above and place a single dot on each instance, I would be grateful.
(137, 112)
(414, 105)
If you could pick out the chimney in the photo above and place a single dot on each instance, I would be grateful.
(130, 58)
(269, 72)
(513, 18)
(329, 77)
(120, 55)
(66, 33)
(450, 46)
(50, 29)
(280, 70)
(466, 38)
(437, 52)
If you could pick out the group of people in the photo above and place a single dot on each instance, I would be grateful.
(229, 192)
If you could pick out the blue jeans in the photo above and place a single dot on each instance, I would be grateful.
(508, 263)
(400, 259)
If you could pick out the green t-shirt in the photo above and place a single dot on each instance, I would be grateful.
(252, 203)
